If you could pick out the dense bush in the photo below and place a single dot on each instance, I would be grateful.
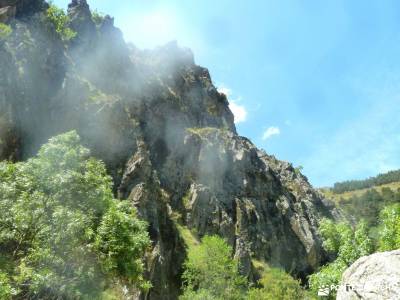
(211, 273)
(347, 245)
(97, 17)
(62, 234)
(276, 284)
(60, 21)
(5, 31)
(389, 237)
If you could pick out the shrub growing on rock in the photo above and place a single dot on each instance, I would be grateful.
(62, 234)
(60, 21)
(211, 273)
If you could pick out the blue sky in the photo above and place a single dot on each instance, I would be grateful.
(316, 83)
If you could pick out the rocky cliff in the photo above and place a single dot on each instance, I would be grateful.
(166, 134)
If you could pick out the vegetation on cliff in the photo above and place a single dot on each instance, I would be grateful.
(60, 21)
(212, 274)
(5, 31)
(62, 233)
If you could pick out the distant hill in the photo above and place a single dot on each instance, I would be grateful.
(364, 199)
(334, 196)
(353, 185)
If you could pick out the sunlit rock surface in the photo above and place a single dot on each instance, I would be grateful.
(373, 277)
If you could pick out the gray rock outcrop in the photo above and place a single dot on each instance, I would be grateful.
(373, 277)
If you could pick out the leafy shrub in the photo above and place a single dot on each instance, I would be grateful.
(389, 237)
(60, 21)
(5, 31)
(347, 245)
(97, 17)
(121, 239)
(58, 238)
(277, 284)
(211, 273)
(5, 286)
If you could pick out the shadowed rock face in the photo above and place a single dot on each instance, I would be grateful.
(24, 7)
(168, 139)
(376, 276)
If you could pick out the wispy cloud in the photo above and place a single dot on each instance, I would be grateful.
(239, 111)
(271, 131)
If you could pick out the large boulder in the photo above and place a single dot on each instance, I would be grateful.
(374, 277)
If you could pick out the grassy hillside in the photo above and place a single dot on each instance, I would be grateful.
(336, 197)
(365, 204)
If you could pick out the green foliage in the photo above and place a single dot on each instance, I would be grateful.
(347, 245)
(97, 17)
(5, 31)
(58, 236)
(6, 290)
(121, 240)
(211, 273)
(298, 170)
(60, 21)
(277, 284)
(368, 205)
(389, 237)
(351, 185)
(328, 276)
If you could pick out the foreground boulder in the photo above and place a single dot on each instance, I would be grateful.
(376, 276)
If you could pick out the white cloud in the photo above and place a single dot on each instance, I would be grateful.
(225, 90)
(239, 111)
(271, 131)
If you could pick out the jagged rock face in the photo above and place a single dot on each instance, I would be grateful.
(227, 186)
(168, 139)
(24, 7)
(81, 21)
(372, 277)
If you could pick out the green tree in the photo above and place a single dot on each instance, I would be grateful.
(347, 245)
(389, 237)
(60, 21)
(211, 273)
(56, 236)
(121, 239)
